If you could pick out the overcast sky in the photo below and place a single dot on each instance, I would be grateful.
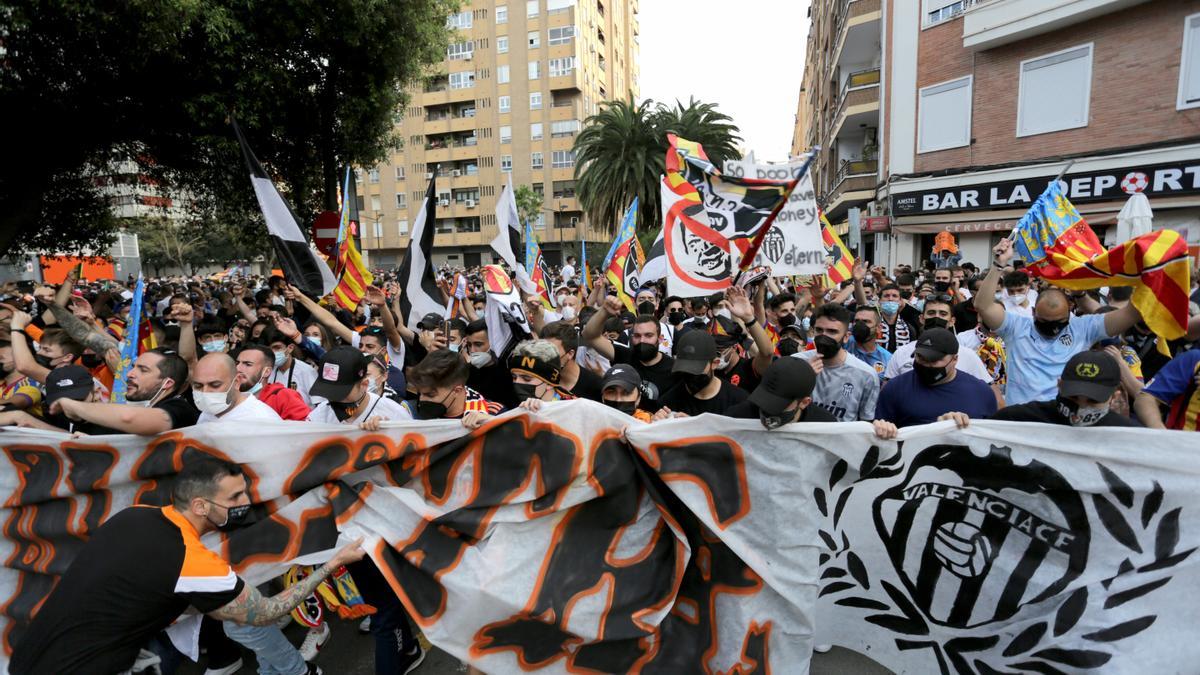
(747, 56)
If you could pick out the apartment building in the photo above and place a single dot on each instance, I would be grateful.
(980, 103)
(517, 83)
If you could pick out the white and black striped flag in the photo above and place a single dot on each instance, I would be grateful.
(300, 264)
(655, 267)
(507, 243)
(420, 294)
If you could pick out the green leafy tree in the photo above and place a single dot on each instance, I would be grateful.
(529, 203)
(621, 153)
(315, 84)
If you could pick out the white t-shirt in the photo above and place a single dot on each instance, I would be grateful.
(568, 273)
(373, 407)
(299, 376)
(1010, 304)
(968, 361)
(249, 410)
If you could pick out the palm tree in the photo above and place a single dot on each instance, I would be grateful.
(621, 153)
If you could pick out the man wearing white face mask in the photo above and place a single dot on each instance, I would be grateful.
(153, 391)
(255, 364)
(216, 393)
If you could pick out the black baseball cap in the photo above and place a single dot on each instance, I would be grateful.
(694, 350)
(73, 382)
(622, 376)
(431, 321)
(936, 343)
(1093, 374)
(787, 379)
(726, 332)
(338, 371)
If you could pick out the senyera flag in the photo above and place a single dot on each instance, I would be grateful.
(1057, 244)
(623, 264)
(839, 262)
(299, 262)
(353, 276)
(535, 267)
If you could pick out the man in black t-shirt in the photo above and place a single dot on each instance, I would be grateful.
(735, 366)
(143, 568)
(700, 390)
(785, 396)
(155, 390)
(73, 382)
(654, 367)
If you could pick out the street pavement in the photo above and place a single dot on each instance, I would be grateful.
(350, 653)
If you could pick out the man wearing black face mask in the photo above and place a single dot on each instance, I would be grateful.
(938, 313)
(642, 353)
(621, 389)
(700, 390)
(783, 397)
(934, 386)
(441, 382)
(1039, 347)
(846, 387)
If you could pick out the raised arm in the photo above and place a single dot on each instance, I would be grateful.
(991, 313)
(102, 345)
(183, 313)
(405, 333)
(1116, 323)
(23, 358)
(743, 310)
(760, 309)
(376, 298)
(859, 272)
(251, 608)
(593, 333)
(323, 316)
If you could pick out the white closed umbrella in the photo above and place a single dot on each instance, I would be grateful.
(1134, 220)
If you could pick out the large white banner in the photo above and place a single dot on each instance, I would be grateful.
(577, 538)
(794, 244)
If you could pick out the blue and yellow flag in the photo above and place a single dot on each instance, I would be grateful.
(129, 342)
(584, 274)
(623, 264)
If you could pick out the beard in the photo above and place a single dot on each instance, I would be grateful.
(249, 384)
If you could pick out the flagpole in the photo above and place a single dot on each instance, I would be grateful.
(748, 257)
(1012, 236)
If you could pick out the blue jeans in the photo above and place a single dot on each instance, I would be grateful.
(275, 653)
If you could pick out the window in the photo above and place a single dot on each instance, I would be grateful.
(377, 227)
(505, 104)
(460, 21)
(502, 74)
(373, 175)
(462, 80)
(402, 227)
(506, 163)
(534, 73)
(562, 159)
(471, 169)
(376, 203)
(1055, 92)
(502, 45)
(944, 116)
(531, 8)
(1189, 64)
(535, 131)
(535, 100)
(937, 11)
(460, 50)
(502, 14)
(535, 39)
(564, 128)
(563, 66)
(540, 223)
(561, 35)
(400, 173)
(535, 160)
(401, 200)
(506, 134)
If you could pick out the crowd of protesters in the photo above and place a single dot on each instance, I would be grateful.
(893, 348)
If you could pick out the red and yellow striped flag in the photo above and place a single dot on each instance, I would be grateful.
(839, 263)
(1058, 245)
(355, 278)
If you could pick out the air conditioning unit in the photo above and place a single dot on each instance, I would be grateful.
(456, 173)
(428, 175)
(443, 202)
(574, 221)
(470, 203)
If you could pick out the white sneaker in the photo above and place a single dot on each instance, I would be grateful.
(821, 649)
(416, 656)
(314, 640)
(364, 626)
(227, 670)
(146, 662)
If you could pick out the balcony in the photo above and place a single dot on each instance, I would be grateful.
(858, 102)
(856, 31)
(568, 81)
(990, 25)
(854, 183)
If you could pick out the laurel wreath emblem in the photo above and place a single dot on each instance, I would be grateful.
(1033, 649)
